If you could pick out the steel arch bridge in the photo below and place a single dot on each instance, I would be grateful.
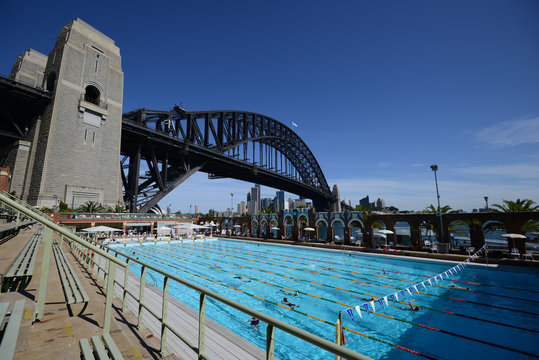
(161, 149)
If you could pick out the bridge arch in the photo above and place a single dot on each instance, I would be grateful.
(223, 143)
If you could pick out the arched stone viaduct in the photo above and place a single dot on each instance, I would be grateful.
(297, 220)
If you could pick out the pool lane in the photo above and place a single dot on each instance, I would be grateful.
(171, 253)
(360, 257)
(355, 280)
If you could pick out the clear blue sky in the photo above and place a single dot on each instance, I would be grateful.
(380, 89)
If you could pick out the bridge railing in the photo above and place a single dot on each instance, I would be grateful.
(92, 255)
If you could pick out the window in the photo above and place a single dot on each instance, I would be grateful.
(92, 95)
(51, 79)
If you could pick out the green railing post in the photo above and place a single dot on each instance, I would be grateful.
(18, 218)
(164, 310)
(270, 342)
(201, 325)
(110, 296)
(45, 263)
(141, 296)
(126, 278)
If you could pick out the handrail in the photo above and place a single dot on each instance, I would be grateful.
(302, 334)
(16, 199)
(43, 220)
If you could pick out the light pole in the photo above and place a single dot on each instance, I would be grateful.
(434, 168)
(231, 204)
(486, 203)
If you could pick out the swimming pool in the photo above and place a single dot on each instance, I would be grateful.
(492, 315)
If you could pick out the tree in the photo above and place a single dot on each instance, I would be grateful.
(117, 209)
(91, 207)
(515, 206)
(435, 225)
(63, 207)
(266, 210)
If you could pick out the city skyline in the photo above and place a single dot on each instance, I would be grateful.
(378, 93)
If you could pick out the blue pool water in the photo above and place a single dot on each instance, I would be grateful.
(494, 315)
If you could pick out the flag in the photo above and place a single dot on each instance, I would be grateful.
(385, 299)
(415, 287)
(372, 304)
(380, 301)
(358, 309)
(403, 294)
(366, 306)
(351, 313)
(430, 282)
(294, 124)
(392, 296)
(409, 292)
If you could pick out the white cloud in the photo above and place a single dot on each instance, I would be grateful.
(510, 133)
(519, 171)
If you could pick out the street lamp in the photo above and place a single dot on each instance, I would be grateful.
(231, 204)
(486, 203)
(434, 168)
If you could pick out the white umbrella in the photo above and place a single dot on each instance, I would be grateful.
(274, 228)
(308, 229)
(385, 232)
(101, 229)
(514, 236)
(237, 226)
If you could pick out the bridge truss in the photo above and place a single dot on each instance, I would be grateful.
(161, 149)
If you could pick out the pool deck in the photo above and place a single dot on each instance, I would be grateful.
(57, 335)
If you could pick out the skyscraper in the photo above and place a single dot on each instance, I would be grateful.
(279, 204)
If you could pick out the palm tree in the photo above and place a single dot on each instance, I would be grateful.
(435, 225)
(266, 210)
(91, 207)
(518, 206)
(515, 206)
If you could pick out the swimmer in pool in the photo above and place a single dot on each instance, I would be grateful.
(289, 294)
(255, 323)
(289, 304)
(413, 307)
(452, 285)
(242, 279)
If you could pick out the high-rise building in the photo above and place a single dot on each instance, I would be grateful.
(380, 203)
(265, 203)
(365, 202)
(279, 201)
(255, 198)
(196, 208)
(337, 204)
(242, 208)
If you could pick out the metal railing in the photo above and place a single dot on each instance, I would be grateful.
(86, 253)
(22, 203)
(51, 227)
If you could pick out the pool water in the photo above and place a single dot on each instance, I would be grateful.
(492, 314)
